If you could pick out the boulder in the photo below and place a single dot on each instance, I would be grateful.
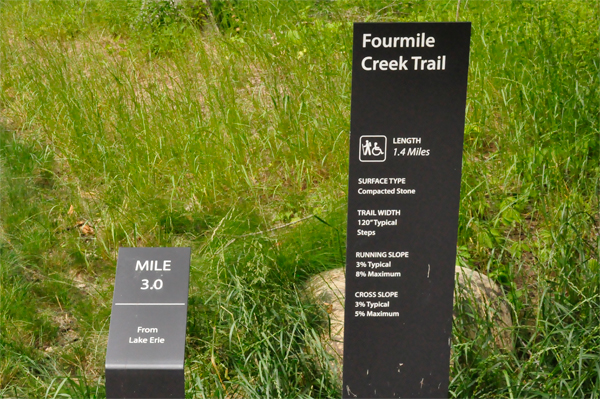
(481, 309)
(479, 305)
(329, 289)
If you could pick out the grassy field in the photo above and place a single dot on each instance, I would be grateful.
(124, 124)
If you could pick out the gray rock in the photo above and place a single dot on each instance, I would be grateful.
(329, 289)
(481, 309)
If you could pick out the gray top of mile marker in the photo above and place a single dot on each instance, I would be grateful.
(148, 320)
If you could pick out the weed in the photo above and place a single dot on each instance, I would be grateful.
(134, 119)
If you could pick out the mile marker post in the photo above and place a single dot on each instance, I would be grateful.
(409, 84)
(146, 341)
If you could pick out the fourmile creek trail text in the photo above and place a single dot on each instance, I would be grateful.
(415, 62)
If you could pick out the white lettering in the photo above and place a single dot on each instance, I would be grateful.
(147, 330)
(402, 64)
(420, 40)
(366, 39)
(139, 266)
(407, 140)
(407, 42)
(416, 58)
(364, 66)
(368, 233)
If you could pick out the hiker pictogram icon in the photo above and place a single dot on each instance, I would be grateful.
(372, 148)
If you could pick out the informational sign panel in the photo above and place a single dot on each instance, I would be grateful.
(409, 83)
(146, 341)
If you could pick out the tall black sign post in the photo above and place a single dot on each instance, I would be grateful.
(146, 340)
(409, 83)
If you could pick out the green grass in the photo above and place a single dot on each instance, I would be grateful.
(174, 132)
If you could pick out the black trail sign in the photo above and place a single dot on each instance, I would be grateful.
(409, 83)
(146, 341)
